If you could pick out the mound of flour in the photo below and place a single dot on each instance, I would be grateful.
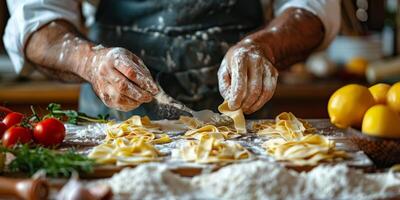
(254, 180)
(151, 181)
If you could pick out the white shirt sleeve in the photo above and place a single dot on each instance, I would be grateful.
(26, 17)
(327, 10)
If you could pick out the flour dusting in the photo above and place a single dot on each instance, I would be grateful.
(254, 180)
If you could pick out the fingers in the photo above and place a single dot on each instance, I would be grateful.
(124, 86)
(238, 87)
(270, 78)
(255, 73)
(224, 79)
(111, 98)
(136, 72)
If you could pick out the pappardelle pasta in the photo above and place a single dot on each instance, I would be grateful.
(294, 140)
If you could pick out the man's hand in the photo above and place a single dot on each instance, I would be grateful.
(246, 77)
(120, 78)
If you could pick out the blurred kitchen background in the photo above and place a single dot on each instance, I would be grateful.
(366, 51)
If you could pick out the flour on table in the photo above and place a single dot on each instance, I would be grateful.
(253, 180)
(150, 181)
(91, 133)
(341, 182)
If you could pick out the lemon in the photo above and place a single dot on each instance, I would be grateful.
(381, 121)
(347, 105)
(357, 65)
(379, 92)
(393, 97)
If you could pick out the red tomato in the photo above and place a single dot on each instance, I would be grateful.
(4, 111)
(49, 132)
(13, 118)
(17, 134)
(3, 128)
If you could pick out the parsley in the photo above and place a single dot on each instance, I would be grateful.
(72, 116)
(55, 164)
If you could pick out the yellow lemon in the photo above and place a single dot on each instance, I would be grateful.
(381, 121)
(357, 65)
(347, 105)
(393, 97)
(379, 92)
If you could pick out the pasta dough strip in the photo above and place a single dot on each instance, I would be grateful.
(130, 143)
(236, 115)
(210, 148)
(122, 151)
(293, 140)
(137, 127)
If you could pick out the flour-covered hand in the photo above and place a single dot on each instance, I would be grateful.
(246, 77)
(120, 78)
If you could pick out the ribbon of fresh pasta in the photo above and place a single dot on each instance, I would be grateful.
(198, 128)
(137, 127)
(395, 168)
(223, 132)
(211, 148)
(292, 139)
(130, 142)
(122, 151)
(236, 115)
(191, 122)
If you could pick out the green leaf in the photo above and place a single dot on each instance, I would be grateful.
(55, 164)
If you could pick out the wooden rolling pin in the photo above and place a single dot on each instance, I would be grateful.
(31, 189)
(383, 70)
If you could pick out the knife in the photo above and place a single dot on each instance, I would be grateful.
(171, 108)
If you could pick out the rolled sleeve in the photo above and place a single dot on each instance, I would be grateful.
(26, 17)
(327, 10)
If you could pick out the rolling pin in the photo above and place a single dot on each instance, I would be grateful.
(31, 189)
(384, 70)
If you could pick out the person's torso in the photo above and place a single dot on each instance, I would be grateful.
(182, 42)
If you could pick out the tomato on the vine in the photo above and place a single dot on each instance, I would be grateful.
(49, 132)
(17, 134)
(4, 111)
(3, 128)
(13, 118)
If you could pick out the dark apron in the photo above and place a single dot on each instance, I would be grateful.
(182, 42)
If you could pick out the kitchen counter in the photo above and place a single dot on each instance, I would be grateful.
(307, 100)
(20, 95)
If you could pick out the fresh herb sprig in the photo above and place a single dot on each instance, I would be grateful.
(55, 164)
(72, 116)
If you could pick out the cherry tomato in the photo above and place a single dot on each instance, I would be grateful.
(4, 111)
(49, 132)
(13, 118)
(17, 134)
(3, 128)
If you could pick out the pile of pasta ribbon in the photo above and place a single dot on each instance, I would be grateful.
(295, 141)
(198, 128)
(213, 148)
(137, 127)
(122, 151)
(130, 143)
(210, 143)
